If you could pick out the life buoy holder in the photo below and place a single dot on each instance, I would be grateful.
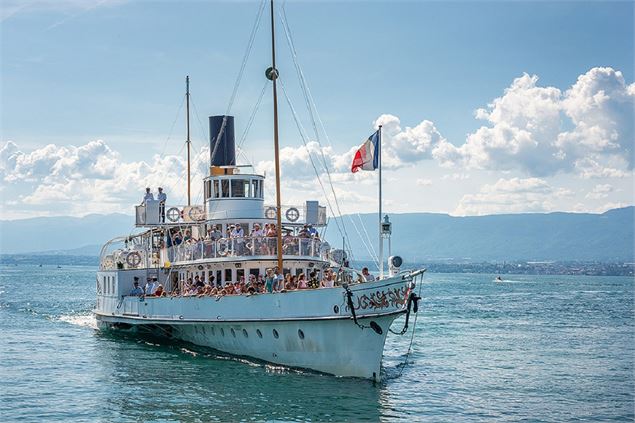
(292, 214)
(197, 214)
(270, 213)
(173, 214)
(133, 259)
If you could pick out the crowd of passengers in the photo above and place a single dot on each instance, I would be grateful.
(273, 281)
(261, 241)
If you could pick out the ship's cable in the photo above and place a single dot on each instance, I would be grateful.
(250, 44)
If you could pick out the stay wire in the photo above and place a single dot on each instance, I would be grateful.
(240, 75)
(308, 101)
(317, 173)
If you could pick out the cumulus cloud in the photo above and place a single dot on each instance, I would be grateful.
(511, 196)
(542, 131)
(600, 191)
(91, 178)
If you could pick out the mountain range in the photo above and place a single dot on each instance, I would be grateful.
(419, 237)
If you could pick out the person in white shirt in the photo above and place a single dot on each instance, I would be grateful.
(238, 234)
(151, 286)
(367, 276)
(148, 196)
(162, 199)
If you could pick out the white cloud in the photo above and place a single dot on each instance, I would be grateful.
(91, 178)
(600, 191)
(511, 196)
(542, 131)
(424, 182)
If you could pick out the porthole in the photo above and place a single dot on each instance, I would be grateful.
(233, 332)
(300, 334)
(259, 333)
(245, 333)
(275, 334)
(222, 332)
(336, 309)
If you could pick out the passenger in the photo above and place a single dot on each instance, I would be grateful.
(148, 196)
(287, 281)
(136, 291)
(198, 282)
(270, 279)
(292, 283)
(272, 245)
(312, 230)
(367, 276)
(256, 231)
(328, 281)
(159, 292)
(162, 199)
(302, 284)
(313, 281)
(239, 238)
(151, 286)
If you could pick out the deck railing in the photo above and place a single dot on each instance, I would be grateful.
(245, 247)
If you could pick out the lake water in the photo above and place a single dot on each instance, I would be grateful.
(534, 348)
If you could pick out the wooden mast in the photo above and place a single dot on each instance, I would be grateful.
(188, 142)
(272, 74)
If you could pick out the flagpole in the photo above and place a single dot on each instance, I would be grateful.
(381, 240)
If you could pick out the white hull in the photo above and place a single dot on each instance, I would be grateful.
(314, 328)
(337, 347)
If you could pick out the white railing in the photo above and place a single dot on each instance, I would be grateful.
(246, 247)
(155, 213)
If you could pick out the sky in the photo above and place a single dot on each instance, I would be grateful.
(486, 107)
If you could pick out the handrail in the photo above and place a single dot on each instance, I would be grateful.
(245, 247)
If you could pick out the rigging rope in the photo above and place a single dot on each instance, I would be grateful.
(310, 104)
(303, 137)
(250, 44)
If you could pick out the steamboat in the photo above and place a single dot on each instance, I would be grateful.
(208, 274)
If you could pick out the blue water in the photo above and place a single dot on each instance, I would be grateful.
(535, 348)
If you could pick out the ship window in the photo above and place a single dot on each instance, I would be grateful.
(216, 190)
(275, 334)
(238, 188)
(228, 275)
(233, 332)
(240, 273)
(222, 332)
(255, 188)
(300, 334)
(208, 189)
(224, 188)
(259, 333)
(245, 333)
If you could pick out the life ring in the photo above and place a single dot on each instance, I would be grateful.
(292, 214)
(270, 213)
(197, 214)
(173, 214)
(133, 259)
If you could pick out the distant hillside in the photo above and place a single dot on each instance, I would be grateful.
(553, 236)
(420, 237)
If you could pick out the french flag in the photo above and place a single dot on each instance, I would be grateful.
(367, 157)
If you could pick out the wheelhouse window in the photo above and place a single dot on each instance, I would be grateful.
(255, 188)
(216, 190)
(238, 189)
(225, 188)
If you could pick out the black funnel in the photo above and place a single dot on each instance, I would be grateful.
(222, 149)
